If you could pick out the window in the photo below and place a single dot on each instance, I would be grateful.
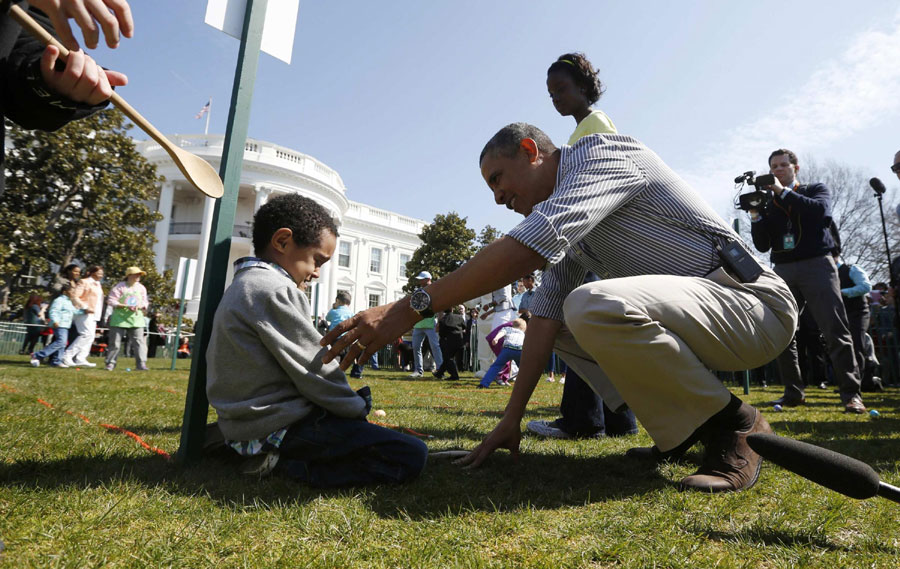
(374, 300)
(375, 261)
(344, 254)
(404, 258)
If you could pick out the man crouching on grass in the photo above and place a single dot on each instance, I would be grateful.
(277, 404)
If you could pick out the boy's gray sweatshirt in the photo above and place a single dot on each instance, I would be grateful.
(264, 360)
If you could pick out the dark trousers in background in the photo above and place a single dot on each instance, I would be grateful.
(327, 451)
(811, 350)
(815, 281)
(584, 414)
(858, 321)
(451, 346)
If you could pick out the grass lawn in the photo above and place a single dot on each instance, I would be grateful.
(74, 493)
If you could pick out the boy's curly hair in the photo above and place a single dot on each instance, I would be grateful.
(304, 217)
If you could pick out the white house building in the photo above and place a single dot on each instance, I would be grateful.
(372, 250)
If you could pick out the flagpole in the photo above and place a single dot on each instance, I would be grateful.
(208, 112)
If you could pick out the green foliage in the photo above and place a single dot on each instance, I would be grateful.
(79, 194)
(488, 235)
(447, 243)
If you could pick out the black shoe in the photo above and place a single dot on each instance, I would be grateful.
(788, 401)
(653, 454)
(437, 375)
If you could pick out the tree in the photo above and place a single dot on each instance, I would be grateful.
(447, 243)
(855, 214)
(488, 235)
(77, 195)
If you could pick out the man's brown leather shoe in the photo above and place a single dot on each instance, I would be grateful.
(855, 405)
(729, 465)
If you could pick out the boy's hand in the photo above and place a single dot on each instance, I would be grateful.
(366, 395)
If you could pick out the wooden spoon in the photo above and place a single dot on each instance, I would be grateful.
(196, 170)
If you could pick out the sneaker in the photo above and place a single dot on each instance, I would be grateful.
(562, 381)
(110, 367)
(66, 361)
(34, 361)
(855, 405)
(260, 465)
(415, 374)
(550, 379)
(547, 429)
(437, 375)
(85, 363)
(60, 364)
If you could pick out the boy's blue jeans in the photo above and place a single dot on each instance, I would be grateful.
(328, 451)
(56, 348)
(505, 355)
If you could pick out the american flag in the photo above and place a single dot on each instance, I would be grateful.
(203, 111)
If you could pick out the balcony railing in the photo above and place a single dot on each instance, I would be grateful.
(194, 228)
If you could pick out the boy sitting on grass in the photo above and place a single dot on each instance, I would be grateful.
(277, 403)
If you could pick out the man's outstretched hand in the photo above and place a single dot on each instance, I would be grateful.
(506, 434)
(368, 331)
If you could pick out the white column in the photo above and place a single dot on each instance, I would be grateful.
(262, 196)
(166, 194)
(208, 209)
(362, 273)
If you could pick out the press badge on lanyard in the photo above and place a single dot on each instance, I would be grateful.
(788, 242)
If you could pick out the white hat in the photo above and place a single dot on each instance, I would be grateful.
(423, 275)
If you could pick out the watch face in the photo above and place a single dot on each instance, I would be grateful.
(420, 300)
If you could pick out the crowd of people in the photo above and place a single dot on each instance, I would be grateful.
(78, 306)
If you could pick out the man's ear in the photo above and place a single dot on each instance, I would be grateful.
(280, 239)
(529, 146)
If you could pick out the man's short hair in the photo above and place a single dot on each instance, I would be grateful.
(784, 151)
(343, 297)
(507, 140)
(304, 217)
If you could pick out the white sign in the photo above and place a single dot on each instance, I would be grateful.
(179, 280)
(278, 29)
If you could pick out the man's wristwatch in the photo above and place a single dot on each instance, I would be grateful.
(420, 301)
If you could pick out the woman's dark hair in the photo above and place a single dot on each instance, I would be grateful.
(525, 315)
(92, 269)
(577, 66)
(67, 270)
(34, 299)
(304, 217)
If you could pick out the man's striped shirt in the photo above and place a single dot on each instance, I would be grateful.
(617, 210)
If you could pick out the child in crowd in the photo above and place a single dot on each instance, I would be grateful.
(61, 313)
(277, 403)
(512, 336)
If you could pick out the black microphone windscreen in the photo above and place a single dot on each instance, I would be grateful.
(877, 185)
(828, 468)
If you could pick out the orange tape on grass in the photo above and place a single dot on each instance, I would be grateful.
(126, 432)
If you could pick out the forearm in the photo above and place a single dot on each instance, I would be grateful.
(539, 339)
(498, 264)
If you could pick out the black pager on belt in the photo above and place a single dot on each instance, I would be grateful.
(740, 262)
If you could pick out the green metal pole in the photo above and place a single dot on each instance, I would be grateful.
(196, 408)
(184, 282)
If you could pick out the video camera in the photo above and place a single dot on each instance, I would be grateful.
(760, 197)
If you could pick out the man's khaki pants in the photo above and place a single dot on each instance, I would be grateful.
(650, 342)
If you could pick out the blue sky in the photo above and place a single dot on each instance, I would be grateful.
(400, 96)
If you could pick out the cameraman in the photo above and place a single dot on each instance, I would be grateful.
(795, 227)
